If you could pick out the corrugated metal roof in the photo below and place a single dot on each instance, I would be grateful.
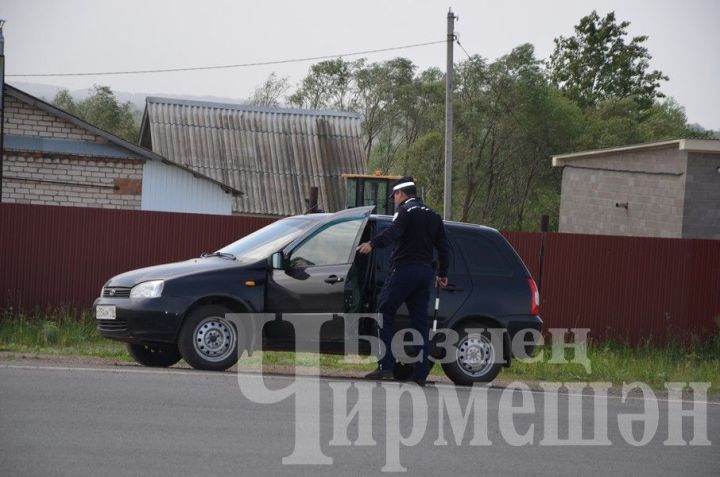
(273, 155)
(133, 149)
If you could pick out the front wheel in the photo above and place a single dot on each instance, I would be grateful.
(208, 340)
(154, 356)
(476, 359)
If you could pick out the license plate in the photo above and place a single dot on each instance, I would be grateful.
(105, 312)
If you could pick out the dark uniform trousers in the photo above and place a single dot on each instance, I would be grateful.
(408, 283)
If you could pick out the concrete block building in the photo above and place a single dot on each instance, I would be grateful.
(53, 158)
(662, 189)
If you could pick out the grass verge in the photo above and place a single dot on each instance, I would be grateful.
(59, 334)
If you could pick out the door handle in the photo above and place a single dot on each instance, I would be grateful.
(334, 279)
(453, 288)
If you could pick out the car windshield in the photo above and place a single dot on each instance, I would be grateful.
(268, 240)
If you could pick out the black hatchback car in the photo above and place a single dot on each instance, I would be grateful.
(307, 264)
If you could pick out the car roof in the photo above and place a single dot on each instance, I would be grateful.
(308, 217)
(386, 218)
(450, 223)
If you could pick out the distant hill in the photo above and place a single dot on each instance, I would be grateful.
(47, 92)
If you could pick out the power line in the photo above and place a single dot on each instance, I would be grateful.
(241, 65)
(463, 49)
(457, 40)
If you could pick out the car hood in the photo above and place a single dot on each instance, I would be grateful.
(175, 270)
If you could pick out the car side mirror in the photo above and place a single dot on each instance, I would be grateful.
(278, 261)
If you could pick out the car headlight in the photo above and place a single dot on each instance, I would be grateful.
(151, 289)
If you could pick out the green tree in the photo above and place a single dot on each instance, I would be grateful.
(378, 88)
(598, 63)
(621, 121)
(329, 85)
(667, 120)
(417, 109)
(397, 106)
(511, 115)
(425, 160)
(509, 120)
(65, 101)
(102, 109)
(271, 91)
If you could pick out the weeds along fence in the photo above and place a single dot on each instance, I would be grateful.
(629, 289)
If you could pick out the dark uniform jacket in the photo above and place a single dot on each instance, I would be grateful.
(416, 229)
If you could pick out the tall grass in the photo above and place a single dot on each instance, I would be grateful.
(66, 333)
(621, 363)
(57, 332)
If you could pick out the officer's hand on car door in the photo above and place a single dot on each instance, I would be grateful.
(364, 248)
(441, 282)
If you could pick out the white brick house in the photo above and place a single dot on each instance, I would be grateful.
(53, 158)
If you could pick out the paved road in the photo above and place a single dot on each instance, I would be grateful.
(137, 421)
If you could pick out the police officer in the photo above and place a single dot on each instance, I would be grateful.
(415, 230)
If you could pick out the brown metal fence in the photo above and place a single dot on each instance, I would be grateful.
(630, 289)
(54, 257)
(625, 288)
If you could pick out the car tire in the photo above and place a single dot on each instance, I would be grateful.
(208, 340)
(474, 359)
(154, 356)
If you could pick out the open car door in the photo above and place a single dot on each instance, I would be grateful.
(315, 267)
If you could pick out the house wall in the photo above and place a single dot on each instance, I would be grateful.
(701, 218)
(168, 188)
(32, 177)
(651, 182)
(26, 120)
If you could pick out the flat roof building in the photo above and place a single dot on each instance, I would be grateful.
(660, 189)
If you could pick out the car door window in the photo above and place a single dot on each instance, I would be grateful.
(331, 245)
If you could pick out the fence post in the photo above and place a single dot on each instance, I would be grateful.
(544, 222)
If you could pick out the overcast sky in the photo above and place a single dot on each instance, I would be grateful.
(67, 36)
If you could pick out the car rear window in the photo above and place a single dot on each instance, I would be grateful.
(481, 255)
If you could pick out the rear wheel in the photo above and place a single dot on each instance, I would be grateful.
(208, 340)
(475, 358)
(154, 356)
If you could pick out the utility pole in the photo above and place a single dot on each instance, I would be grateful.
(447, 200)
(2, 104)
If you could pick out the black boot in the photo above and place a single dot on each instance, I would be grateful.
(381, 374)
(419, 381)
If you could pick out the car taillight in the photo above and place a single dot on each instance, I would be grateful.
(535, 297)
